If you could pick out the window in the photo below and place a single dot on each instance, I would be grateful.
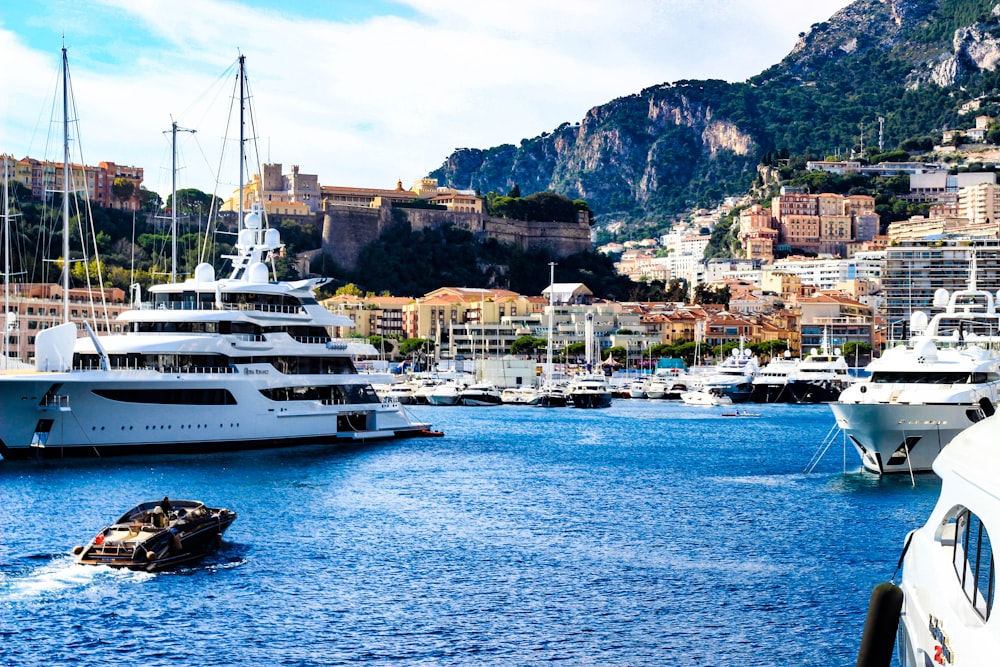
(972, 556)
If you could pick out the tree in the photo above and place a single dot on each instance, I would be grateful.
(617, 353)
(515, 192)
(527, 345)
(86, 272)
(382, 344)
(574, 350)
(123, 189)
(677, 290)
(411, 346)
(769, 348)
(417, 349)
(857, 353)
(191, 201)
(705, 294)
(350, 289)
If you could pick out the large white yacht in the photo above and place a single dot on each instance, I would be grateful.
(820, 377)
(770, 383)
(206, 364)
(922, 394)
(733, 376)
(944, 603)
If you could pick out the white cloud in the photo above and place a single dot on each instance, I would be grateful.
(365, 103)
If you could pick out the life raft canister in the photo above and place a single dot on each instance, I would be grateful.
(879, 637)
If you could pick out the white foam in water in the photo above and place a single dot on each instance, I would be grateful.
(60, 575)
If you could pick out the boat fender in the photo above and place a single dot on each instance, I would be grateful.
(987, 405)
(218, 540)
(150, 556)
(879, 637)
(77, 550)
(175, 541)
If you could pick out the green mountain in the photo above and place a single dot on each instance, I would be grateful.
(676, 146)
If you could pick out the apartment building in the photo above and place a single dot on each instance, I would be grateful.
(835, 318)
(44, 178)
(979, 203)
(915, 269)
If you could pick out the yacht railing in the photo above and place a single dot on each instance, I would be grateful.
(207, 370)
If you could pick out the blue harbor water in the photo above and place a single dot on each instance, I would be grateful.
(649, 533)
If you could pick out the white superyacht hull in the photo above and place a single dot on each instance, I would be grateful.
(902, 438)
(99, 413)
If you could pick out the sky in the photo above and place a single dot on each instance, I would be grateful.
(362, 93)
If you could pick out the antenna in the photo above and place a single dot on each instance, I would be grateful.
(174, 129)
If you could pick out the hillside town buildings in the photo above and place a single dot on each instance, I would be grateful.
(858, 285)
(45, 178)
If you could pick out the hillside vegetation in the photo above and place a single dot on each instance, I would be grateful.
(656, 154)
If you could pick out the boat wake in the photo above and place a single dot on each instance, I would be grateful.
(60, 573)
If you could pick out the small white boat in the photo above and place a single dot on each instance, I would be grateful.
(589, 390)
(944, 602)
(400, 393)
(703, 397)
(422, 389)
(637, 388)
(446, 393)
(523, 395)
(481, 393)
(657, 387)
(552, 395)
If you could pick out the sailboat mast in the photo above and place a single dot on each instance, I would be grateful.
(173, 203)
(173, 199)
(65, 199)
(6, 258)
(548, 347)
(242, 76)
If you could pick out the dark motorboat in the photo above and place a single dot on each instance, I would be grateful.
(158, 535)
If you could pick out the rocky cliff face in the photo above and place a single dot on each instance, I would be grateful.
(632, 153)
(675, 146)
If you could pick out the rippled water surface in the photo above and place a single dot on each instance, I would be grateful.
(649, 533)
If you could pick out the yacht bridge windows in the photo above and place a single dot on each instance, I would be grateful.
(192, 300)
(933, 377)
(246, 330)
(164, 363)
(327, 394)
(216, 363)
(972, 555)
